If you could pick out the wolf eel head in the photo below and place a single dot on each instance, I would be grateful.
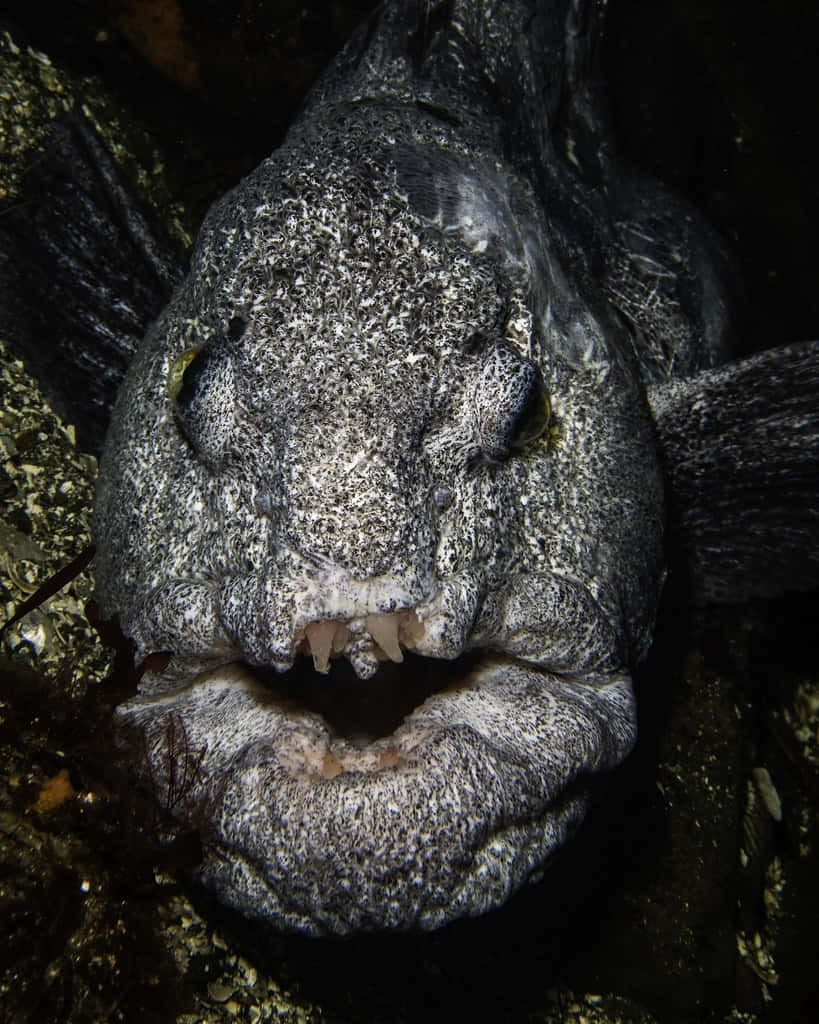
(381, 426)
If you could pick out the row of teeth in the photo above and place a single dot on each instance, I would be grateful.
(390, 632)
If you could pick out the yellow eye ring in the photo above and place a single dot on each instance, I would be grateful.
(176, 373)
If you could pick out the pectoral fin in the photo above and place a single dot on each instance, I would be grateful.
(82, 274)
(740, 447)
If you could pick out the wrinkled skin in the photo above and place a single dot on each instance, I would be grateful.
(398, 404)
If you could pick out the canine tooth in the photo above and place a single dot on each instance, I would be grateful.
(383, 628)
(340, 638)
(320, 638)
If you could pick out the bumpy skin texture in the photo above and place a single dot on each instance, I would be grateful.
(357, 460)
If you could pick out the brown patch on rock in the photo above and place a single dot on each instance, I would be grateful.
(54, 792)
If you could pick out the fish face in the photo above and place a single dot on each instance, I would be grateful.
(381, 425)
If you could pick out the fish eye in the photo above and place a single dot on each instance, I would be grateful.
(182, 374)
(533, 419)
(201, 387)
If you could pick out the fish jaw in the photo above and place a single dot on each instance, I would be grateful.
(444, 818)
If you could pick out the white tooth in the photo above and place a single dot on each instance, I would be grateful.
(383, 628)
(411, 628)
(320, 639)
(340, 638)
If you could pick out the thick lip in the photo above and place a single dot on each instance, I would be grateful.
(317, 830)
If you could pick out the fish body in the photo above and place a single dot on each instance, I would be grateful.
(403, 421)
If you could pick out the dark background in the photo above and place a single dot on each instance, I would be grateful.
(718, 101)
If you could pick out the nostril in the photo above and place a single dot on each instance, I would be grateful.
(236, 328)
(442, 496)
(265, 505)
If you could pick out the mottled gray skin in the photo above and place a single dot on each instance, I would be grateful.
(442, 239)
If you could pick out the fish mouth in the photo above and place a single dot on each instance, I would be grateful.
(331, 802)
(362, 714)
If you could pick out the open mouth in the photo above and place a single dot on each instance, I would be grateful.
(371, 785)
(361, 711)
